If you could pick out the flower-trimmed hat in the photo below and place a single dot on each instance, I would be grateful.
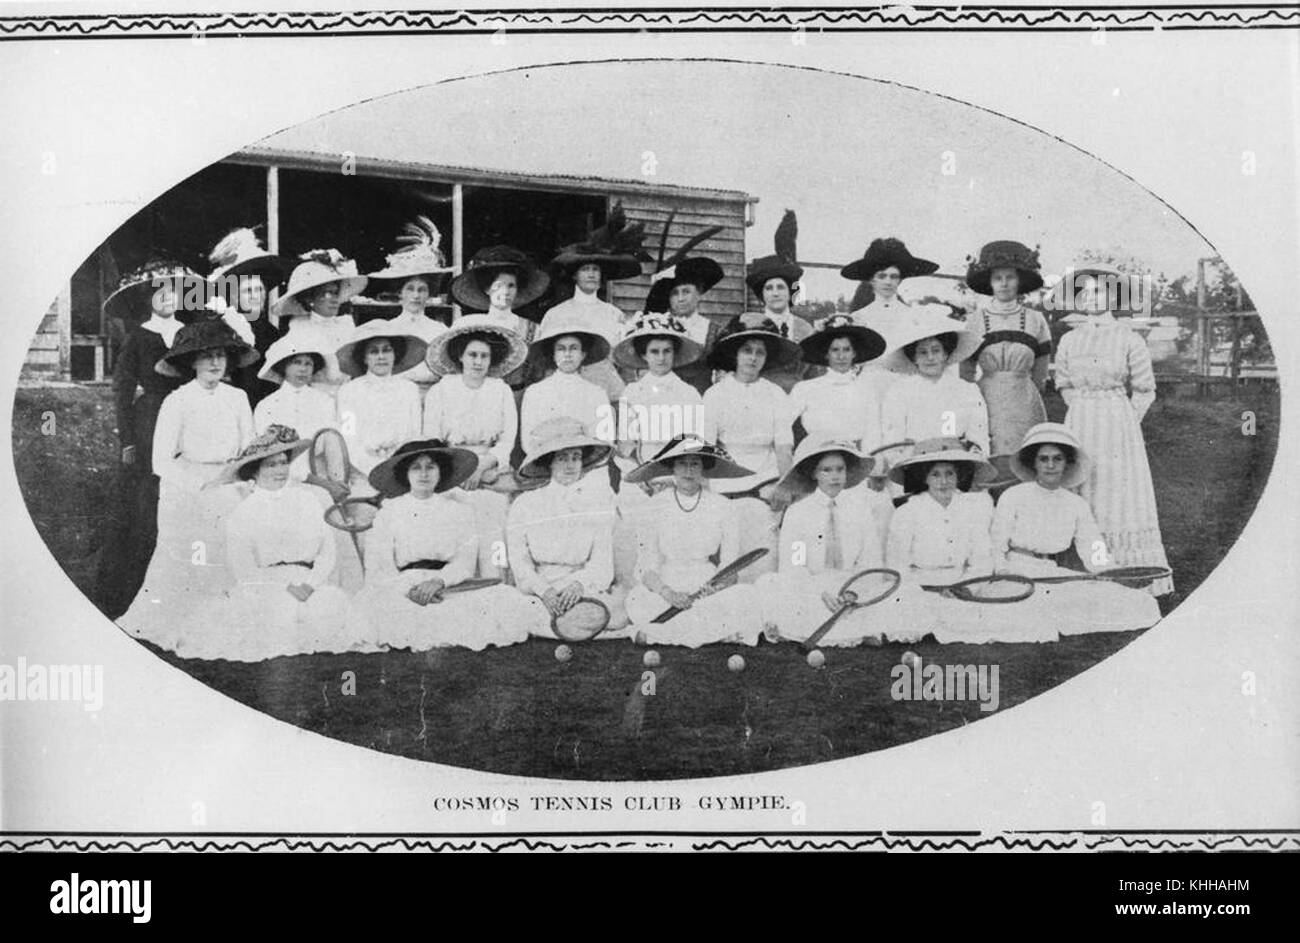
(881, 254)
(193, 339)
(1005, 253)
(319, 267)
(1050, 433)
(647, 326)
(273, 441)
(570, 323)
(929, 320)
(454, 466)
(615, 247)
(508, 348)
(556, 435)
(867, 344)
(717, 463)
(470, 286)
(240, 252)
(782, 264)
(781, 351)
(799, 479)
(973, 468)
(681, 268)
(285, 349)
(419, 256)
(408, 350)
(130, 301)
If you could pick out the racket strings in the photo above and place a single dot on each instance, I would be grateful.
(995, 589)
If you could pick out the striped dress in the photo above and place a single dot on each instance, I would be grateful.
(1103, 370)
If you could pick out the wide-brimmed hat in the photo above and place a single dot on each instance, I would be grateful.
(681, 268)
(556, 435)
(274, 440)
(760, 271)
(867, 344)
(509, 349)
(1005, 253)
(615, 247)
(717, 463)
(799, 479)
(288, 347)
(130, 300)
(319, 267)
(409, 349)
(570, 323)
(781, 351)
(240, 252)
(470, 286)
(881, 254)
(920, 322)
(957, 451)
(647, 326)
(1050, 433)
(204, 335)
(419, 256)
(454, 466)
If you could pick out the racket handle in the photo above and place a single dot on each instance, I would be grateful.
(811, 641)
(665, 615)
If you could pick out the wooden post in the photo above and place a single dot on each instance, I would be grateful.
(1234, 359)
(64, 317)
(272, 231)
(457, 240)
(1202, 333)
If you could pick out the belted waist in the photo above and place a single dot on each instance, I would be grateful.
(422, 565)
(306, 563)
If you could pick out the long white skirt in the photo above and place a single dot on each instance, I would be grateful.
(793, 608)
(729, 615)
(1083, 607)
(382, 615)
(490, 508)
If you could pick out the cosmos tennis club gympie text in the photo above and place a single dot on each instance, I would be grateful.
(637, 803)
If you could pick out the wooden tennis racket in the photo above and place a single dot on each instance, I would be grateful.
(468, 586)
(1131, 576)
(353, 515)
(862, 589)
(754, 492)
(329, 467)
(731, 569)
(1000, 587)
(582, 621)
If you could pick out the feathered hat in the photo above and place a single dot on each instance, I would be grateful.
(681, 268)
(240, 252)
(782, 265)
(1005, 253)
(419, 256)
(615, 247)
(320, 267)
(130, 301)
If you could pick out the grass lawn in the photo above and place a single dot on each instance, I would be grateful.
(519, 710)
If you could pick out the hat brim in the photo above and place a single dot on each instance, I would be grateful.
(1074, 477)
(908, 267)
(868, 345)
(230, 473)
(715, 466)
(625, 355)
(533, 283)
(799, 479)
(984, 471)
(613, 268)
(274, 270)
(438, 358)
(595, 454)
(454, 466)
(272, 371)
(289, 306)
(595, 347)
(702, 272)
(781, 351)
(239, 352)
(896, 359)
(415, 351)
(130, 302)
(978, 280)
(764, 270)
(390, 281)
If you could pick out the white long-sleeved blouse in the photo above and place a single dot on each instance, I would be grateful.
(751, 420)
(565, 395)
(484, 419)
(376, 415)
(1045, 520)
(280, 526)
(804, 531)
(926, 535)
(200, 425)
(408, 529)
(840, 406)
(675, 539)
(1104, 356)
(554, 538)
(919, 408)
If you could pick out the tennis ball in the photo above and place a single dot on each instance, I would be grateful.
(815, 658)
(650, 659)
(911, 658)
(563, 653)
(735, 663)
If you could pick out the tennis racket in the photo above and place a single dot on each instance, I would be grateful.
(1001, 587)
(754, 492)
(329, 468)
(732, 568)
(468, 586)
(859, 590)
(1131, 576)
(582, 621)
(353, 515)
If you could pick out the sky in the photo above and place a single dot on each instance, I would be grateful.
(855, 158)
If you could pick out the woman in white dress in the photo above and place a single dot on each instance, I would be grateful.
(473, 408)
(309, 308)
(292, 363)
(1103, 370)
(201, 426)
(1037, 524)
(691, 533)
(497, 280)
(560, 542)
(840, 404)
(379, 408)
(423, 544)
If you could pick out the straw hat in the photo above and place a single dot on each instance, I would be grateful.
(130, 300)
(920, 322)
(454, 466)
(881, 254)
(615, 247)
(799, 479)
(408, 348)
(556, 435)
(1005, 253)
(929, 451)
(570, 323)
(240, 252)
(273, 441)
(204, 335)
(285, 349)
(717, 463)
(867, 344)
(319, 267)
(656, 325)
(1050, 433)
(470, 286)
(420, 256)
(781, 351)
(508, 348)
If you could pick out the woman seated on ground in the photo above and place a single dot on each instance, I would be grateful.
(689, 529)
(379, 408)
(421, 547)
(560, 545)
(1037, 524)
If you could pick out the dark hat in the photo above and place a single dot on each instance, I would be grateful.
(470, 286)
(681, 268)
(1005, 253)
(867, 344)
(195, 338)
(881, 254)
(781, 351)
(454, 466)
(615, 247)
(780, 265)
(717, 463)
(130, 300)
(240, 252)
